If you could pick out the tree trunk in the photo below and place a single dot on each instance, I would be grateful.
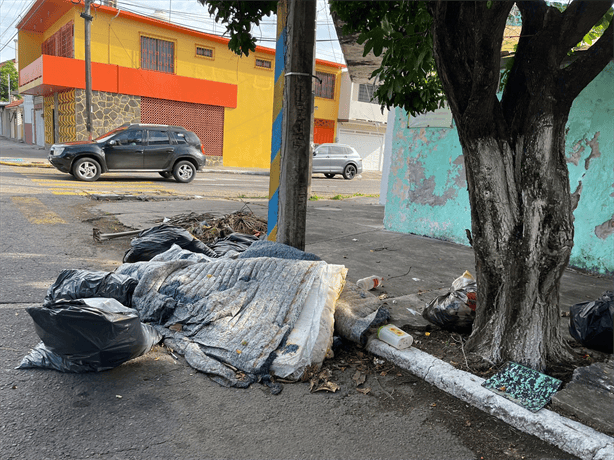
(522, 226)
(517, 177)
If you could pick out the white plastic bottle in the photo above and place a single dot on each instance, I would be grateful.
(371, 282)
(394, 336)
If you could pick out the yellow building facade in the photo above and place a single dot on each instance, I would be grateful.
(152, 71)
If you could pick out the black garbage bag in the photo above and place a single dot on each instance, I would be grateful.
(237, 242)
(590, 323)
(454, 311)
(156, 240)
(83, 284)
(87, 335)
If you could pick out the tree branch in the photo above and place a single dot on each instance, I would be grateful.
(574, 78)
(467, 40)
(578, 19)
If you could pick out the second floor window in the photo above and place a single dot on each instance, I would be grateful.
(60, 43)
(204, 52)
(157, 55)
(366, 93)
(326, 89)
(264, 63)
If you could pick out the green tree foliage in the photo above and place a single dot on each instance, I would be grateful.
(7, 71)
(400, 31)
(239, 16)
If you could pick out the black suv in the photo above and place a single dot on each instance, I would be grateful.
(167, 150)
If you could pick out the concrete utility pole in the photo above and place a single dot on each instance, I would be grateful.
(295, 167)
(88, 67)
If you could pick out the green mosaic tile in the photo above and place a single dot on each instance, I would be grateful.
(523, 386)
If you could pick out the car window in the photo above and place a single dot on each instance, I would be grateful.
(158, 137)
(336, 150)
(179, 138)
(192, 138)
(322, 150)
(105, 137)
(130, 137)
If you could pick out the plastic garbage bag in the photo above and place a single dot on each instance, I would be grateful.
(157, 240)
(176, 253)
(454, 311)
(233, 244)
(590, 323)
(83, 284)
(87, 335)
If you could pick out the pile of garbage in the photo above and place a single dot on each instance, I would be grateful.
(238, 308)
(208, 229)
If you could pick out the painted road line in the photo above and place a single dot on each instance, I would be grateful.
(71, 193)
(35, 211)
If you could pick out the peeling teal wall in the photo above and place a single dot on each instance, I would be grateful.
(427, 189)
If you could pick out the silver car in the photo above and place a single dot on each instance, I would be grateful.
(332, 159)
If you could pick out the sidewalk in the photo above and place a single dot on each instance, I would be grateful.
(350, 232)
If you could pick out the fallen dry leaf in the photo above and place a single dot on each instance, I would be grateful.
(364, 391)
(327, 386)
(176, 327)
(359, 377)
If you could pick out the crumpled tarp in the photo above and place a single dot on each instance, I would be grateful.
(235, 313)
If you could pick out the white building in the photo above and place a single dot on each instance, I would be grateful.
(361, 122)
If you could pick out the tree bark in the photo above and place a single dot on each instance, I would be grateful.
(522, 228)
(517, 176)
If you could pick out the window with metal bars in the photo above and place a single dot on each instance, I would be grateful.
(264, 63)
(157, 55)
(366, 93)
(61, 42)
(204, 52)
(326, 88)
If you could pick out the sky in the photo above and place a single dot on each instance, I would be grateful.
(187, 13)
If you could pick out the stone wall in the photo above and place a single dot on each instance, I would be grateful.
(109, 110)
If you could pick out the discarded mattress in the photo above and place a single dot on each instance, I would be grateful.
(256, 315)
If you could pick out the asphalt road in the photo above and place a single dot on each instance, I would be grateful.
(157, 407)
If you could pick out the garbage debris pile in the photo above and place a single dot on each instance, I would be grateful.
(207, 229)
(455, 311)
(590, 323)
(239, 309)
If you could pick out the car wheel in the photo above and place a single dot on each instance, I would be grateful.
(166, 174)
(86, 169)
(184, 171)
(349, 172)
(329, 175)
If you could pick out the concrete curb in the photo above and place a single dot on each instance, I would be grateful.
(572, 437)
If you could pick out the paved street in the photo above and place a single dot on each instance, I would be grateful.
(212, 182)
(157, 407)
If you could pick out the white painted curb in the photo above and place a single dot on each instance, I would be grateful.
(568, 435)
